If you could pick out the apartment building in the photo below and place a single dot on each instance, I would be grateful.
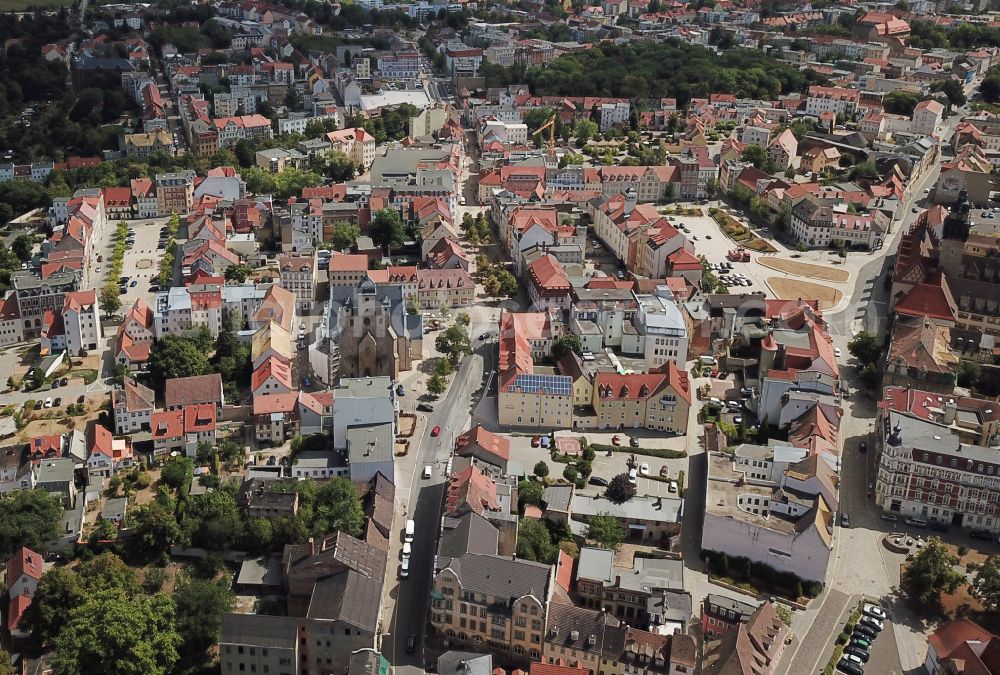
(819, 223)
(530, 397)
(81, 319)
(837, 100)
(659, 400)
(36, 297)
(174, 192)
(493, 602)
(925, 471)
(721, 615)
(133, 404)
(356, 143)
(298, 275)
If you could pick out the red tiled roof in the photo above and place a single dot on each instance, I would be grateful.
(18, 605)
(24, 562)
(932, 300)
(487, 440)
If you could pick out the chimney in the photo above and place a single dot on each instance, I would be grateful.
(950, 409)
(312, 546)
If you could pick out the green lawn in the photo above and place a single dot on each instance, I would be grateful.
(22, 5)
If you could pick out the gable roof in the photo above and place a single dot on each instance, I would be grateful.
(479, 436)
(24, 562)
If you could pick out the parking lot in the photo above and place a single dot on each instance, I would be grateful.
(710, 241)
(140, 264)
(608, 467)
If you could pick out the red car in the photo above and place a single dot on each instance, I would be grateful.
(617, 440)
(435, 431)
(535, 441)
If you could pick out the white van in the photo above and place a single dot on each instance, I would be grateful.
(707, 361)
(410, 526)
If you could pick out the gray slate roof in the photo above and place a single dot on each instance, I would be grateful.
(502, 577)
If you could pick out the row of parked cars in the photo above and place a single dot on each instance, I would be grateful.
(858, 649)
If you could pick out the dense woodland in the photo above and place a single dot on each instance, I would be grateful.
(651, 71)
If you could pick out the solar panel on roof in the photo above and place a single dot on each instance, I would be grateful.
(560, 385)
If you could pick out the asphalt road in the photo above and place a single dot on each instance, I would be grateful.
(412, 595)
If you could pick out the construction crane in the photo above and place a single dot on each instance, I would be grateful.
(551, 126)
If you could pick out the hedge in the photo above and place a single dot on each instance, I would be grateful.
(662, 453)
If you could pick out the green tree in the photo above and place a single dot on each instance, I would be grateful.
(529, 492)
(541, 469)
(443, 368)
(337, 509)
(59, 590)
(968, 373)
(605, 530)
(564, 344)
(463, 319)
(535, 543)
(865, 347)
(21, 247)
(454, 343)
(620, 489)
(387, 228)
(238, 273)
(212, 521)
(436, 385)
(110, 300)
(930, 573)
(177, 471)
(412, 304)
(869, 376)
(756, 155)
(28, 518)
(154, 529)
(110, 632)
(175, 356)
(201, 604)
(344, 236)
(584, 130)
(952, 89)
(901, 102)
(986, 580)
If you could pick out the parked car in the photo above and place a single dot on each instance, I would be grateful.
(545, 441)
(916, 522)
(644, 469)
(856, 660)
(55, 384)
(38, 404)
(862, 447)
(48, 402)
(428, 471)
(873, 623)
(134, 283)
(598, 481)
(873, 610)
(400, 391)
(404, 569)
(57, 402)
(616, 439)
(306, 381)
(980, 534)
(672, 487)
(850, 668)
(633, 442)
(536, 441)
(81, 398)
(411, 644)
(890, 517)
(860, 643)
(864, 632)
(845, 519)
(436, 431)
(425, 407)
(837, 352)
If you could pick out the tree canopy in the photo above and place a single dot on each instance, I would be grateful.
(454, 343)
(387, 228)
(668, 69)
(620, 489)
(534, 542)
(605, 530)
(28, 518)
(175, 356)
(930, 573)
